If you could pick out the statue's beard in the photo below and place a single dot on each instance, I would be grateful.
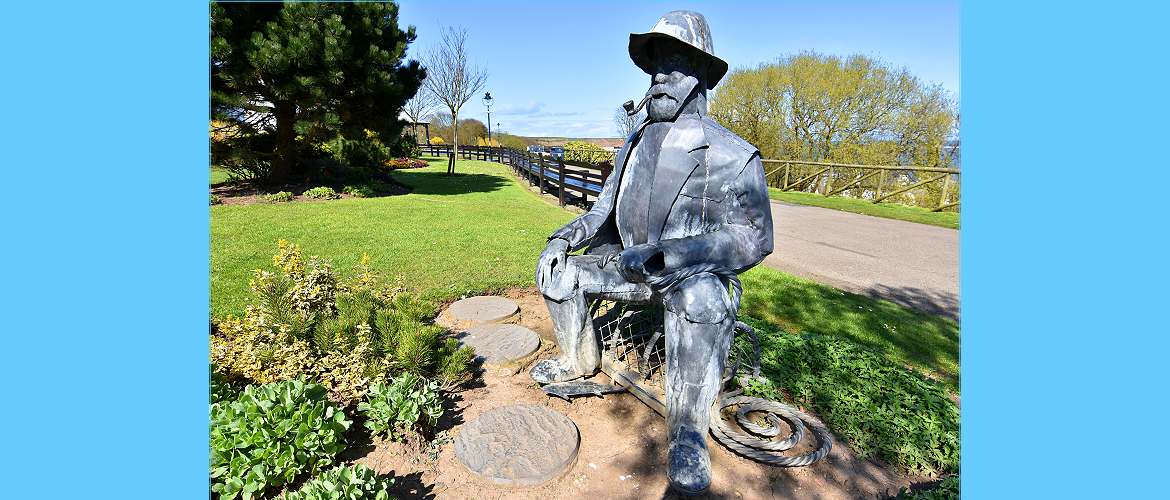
(667, 99)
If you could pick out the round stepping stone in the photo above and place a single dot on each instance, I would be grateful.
(483, 309)
(498, 344)
(518, 445)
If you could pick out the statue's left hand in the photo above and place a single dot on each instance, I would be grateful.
(639, 261)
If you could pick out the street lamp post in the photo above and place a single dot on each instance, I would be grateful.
(487, 102)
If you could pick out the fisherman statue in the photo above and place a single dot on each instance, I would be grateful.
(684, 211)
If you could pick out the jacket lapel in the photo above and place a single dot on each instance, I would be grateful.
(682, 151)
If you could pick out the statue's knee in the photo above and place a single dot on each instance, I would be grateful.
(562, 282)
(702, 298)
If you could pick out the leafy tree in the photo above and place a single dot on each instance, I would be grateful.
(295, 76)
(856, 109)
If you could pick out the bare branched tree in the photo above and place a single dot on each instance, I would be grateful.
(451, 79)
(626, 123)
(418, 108)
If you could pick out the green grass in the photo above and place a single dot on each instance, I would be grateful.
(870, 400)
(478, 230)
(926, 342)
(218, 175)
(481, 230)
(887, 210)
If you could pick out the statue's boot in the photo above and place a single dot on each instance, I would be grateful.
(576, 339)
(689, 461)
(699, 324)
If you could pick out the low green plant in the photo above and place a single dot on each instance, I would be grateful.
(876, 404)
(278, 197)
(215, 199)
(321, 193)
(409, 403)
(344, 334)
(360, 191)
(344, 483)
(270, 434)
(221, 388)
(947, 489)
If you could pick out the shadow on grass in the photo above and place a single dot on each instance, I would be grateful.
(439, 183)
(927, 301)
(925, 341)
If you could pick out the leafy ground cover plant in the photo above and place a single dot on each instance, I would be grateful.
(270, 434)
(215, 200)
(321, 193)
(221, 388)
(409, 403)
(947, 489)
(344, 483)
(278, 197)
(343, 334)
(877, 405)
(359, 191)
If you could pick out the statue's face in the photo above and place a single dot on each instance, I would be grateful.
(670, 86)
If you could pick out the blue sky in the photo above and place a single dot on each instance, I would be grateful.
(561, 69)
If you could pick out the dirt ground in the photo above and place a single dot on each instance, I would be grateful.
(623, 447)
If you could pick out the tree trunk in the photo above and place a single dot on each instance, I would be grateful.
(286, 134)
(455, 138)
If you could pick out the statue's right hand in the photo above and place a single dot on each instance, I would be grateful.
(554, 256)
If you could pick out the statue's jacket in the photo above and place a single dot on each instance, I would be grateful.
(709, 201)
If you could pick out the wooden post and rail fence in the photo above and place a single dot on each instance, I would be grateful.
(576, 182)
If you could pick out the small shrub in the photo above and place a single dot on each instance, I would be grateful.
(344, 483)
(278, 197)
(408, 403)
(321, 193)
(947, 489)
(271, 434)
(215, 199)
(258, 350)
(360, 191)
(876, 404)
(453, 366)
(343, 334)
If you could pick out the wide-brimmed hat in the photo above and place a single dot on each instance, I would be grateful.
(684, 31)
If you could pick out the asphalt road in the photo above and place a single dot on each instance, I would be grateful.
(912, 264)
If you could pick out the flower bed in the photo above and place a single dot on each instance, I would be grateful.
(401, 163)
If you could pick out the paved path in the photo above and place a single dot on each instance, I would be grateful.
(912, 264)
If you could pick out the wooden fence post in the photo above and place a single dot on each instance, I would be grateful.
(787, 166)
(881, 183)
(561, 181)
(942, 199)
(540, 164)
(829, 183)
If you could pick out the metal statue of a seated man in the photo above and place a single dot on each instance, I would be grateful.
(684, 211)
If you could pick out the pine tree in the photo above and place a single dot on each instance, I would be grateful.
(294, 75)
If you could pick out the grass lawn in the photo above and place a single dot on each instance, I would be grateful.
(887, 210)
(218, 175)
(475, 231)
(481, 230)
